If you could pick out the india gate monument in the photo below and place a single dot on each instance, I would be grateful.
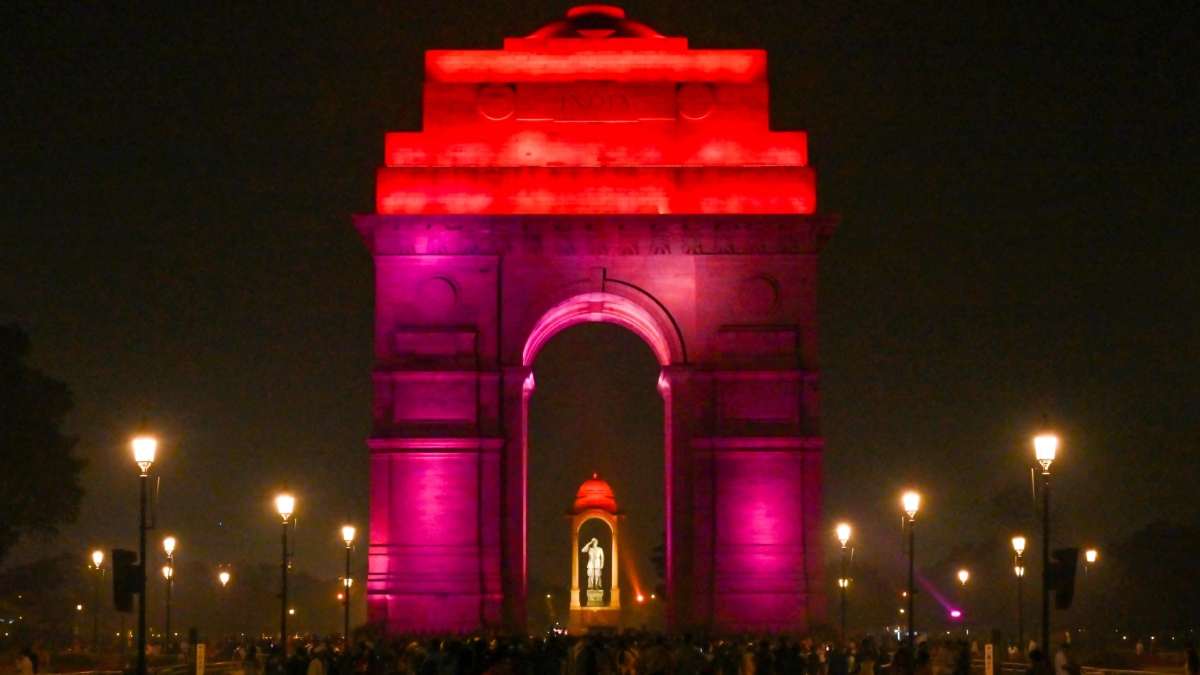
(595, 170)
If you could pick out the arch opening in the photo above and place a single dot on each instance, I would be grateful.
(597, 407)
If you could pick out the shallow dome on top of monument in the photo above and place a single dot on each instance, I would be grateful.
(595, 21)
(595, 494)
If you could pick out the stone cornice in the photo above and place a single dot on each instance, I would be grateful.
(556, 235)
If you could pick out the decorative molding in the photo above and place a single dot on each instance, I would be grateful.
(621, 235)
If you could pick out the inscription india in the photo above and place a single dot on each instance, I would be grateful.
(595, 102)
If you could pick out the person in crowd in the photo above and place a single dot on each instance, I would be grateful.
(1038, 663)
(837, 663)
(25, 662)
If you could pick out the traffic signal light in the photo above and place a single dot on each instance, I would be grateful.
(127, 579)
(1062, 577)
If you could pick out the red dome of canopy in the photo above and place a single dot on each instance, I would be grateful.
(595, 21)
(595, 494)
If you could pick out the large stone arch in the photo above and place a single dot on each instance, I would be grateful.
(619, 304)
(566, 179)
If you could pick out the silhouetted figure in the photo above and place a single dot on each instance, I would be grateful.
(1039, 664)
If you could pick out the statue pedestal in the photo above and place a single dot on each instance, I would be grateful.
(595, 598)
(587, 619)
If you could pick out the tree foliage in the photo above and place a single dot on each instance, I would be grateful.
(40, 485)
(1151, 580)
(40, 600)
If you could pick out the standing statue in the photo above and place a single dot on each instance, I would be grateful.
(595, 563)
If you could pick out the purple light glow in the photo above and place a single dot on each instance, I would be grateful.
(933, 592)
(955, 613)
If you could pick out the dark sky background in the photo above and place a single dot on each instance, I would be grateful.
(1018, 184)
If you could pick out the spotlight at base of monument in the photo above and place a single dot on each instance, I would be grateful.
(641, 598)
(955, 614)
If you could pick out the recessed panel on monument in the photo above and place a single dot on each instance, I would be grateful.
(595, 170)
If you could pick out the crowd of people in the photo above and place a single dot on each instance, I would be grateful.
(627, 653)
(630, 653)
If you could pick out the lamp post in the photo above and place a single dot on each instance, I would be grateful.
(1045, 446)
(286, 504)
(348, 537)
(843, 535)
(97, 561)
(1090, 556)
(144, 448)
(912, 502)
(963, 576)
(224, 577)
(1019, 568)
(169, 575)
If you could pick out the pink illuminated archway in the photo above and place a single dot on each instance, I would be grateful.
(609, 308)
(662, 337)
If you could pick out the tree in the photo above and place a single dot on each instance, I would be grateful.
(41, 599)
(1147, 582)
(40, 486)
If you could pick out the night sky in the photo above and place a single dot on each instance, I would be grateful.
(1018, 186)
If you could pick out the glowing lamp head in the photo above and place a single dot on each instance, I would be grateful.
(167, 572)
(348, 535)
(1090, 555)
(1019, 570)
(912, 502)
(224, 577)
(844, 583)
(169, 546)
(843, 534)
(1019, 545)
(641, 598)
(955, 614)
(963, 575)
(144, 448)
(347, 582)
(286, 505)
(1045, 447)
(97, 558)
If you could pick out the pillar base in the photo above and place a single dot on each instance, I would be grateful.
(586, 619)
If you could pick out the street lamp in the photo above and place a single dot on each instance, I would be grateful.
(843, 535)
(1090, 556)
(97, 561)
(286, 505)
(348, 537)
(169, 574)
(144, 448)
(1020, 572)
(224, 577)
(963, 576)
(1045, 447)
(1019, 567)
(912, 502)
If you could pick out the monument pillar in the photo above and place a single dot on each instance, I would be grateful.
(518, 385)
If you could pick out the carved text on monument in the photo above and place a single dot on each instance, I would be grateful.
(595, 102)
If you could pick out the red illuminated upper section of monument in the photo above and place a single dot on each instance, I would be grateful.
(596, 114)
